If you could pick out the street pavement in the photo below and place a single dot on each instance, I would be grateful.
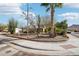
(17, 47)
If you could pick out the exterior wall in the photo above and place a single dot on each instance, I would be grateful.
(17, 30)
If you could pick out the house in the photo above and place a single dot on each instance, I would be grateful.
(18, 30)
(74, 28)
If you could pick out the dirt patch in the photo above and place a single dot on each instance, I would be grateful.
(69, 46)
(41, 38)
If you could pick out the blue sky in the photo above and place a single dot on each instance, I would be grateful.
(70, 12)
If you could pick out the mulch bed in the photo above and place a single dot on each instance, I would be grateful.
(41, 38)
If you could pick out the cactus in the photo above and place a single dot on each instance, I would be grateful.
(12, 25)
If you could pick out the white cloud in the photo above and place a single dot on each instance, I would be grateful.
(72, 5)
(9, 8)
(13, 9)
(70, 15)
(31, 15)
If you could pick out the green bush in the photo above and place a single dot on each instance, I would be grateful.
(3, 27)
(47, 29)
(58, 30)
(61, 27)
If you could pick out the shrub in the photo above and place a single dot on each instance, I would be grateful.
(61, 27)
(2, 27)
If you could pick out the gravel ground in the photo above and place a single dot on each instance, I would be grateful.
(42, 38)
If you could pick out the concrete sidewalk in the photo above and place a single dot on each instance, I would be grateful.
(70, 47)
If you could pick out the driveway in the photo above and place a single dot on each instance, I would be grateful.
(13, 46)
(7, 50)
(70, 47)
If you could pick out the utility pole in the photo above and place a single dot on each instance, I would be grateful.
(27, 16)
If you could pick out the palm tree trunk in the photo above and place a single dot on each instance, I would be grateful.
(52, 33)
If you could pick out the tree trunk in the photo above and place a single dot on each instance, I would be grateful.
(52, 32)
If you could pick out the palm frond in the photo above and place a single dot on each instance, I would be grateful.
(45, 4)
(47, 9)
(58, 5)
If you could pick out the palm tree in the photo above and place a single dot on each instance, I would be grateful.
(51, 7)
